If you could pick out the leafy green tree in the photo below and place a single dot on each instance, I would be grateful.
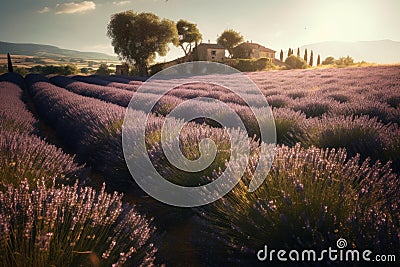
(305, 55)
(189, 35)
(311, 58)
(229, 39)
(281, 55)
(345, 61)
(137, 37)
(318, 60)
(294, 62)
(103, 70)
(298, 52)
(328, 61)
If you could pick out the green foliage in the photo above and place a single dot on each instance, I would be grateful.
(229, 39)
(188, 34)
(103, 70)
(137, 37)
(51, 69)
(328, 61)
(250, 64)
(344, 61)
(293, 62)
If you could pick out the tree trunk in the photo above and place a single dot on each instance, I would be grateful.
(142, 67)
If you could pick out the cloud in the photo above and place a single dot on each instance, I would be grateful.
(72, 7)
(44, 10)
(121, 3)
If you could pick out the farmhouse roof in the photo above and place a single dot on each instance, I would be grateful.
(255, 46)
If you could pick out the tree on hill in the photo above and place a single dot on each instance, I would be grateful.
(103, 70)
(189, 35)
(318, 60)
(305, 55)
(9, 63)
(281, 55)
(229, 39)
(298, 52)
(345, 61)
(294, 62)
(311, 58)
(328, 61)
(138, 37)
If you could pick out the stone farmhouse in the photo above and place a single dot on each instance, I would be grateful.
(250, 50)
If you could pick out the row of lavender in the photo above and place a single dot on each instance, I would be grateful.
(359, 91)
(348, 108)
(310, 198)
(312, 191)
(92, 128)
(23, 154)
(44, 222)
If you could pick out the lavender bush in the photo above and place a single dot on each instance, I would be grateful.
(108, 94)
(13, 78)
(13, 113)
(24, 156)
(359, 135)
(311, 197)
(95, 79)
(71, 226)
(383, 112)
(314, 106)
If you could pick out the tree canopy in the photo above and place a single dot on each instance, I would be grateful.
(189, 35)
(294, 62)
(229, 39)
(137, 37)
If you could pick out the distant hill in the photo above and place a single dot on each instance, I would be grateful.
(382, 51)
(49, 51)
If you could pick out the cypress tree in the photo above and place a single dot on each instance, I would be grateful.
(311, 58)
(318, 60)
(9, 63)
(281, 55)
(298, 52)
(305, 55)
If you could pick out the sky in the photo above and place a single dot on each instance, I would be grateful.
(82, 25)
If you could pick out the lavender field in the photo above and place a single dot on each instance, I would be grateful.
(67, 197)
